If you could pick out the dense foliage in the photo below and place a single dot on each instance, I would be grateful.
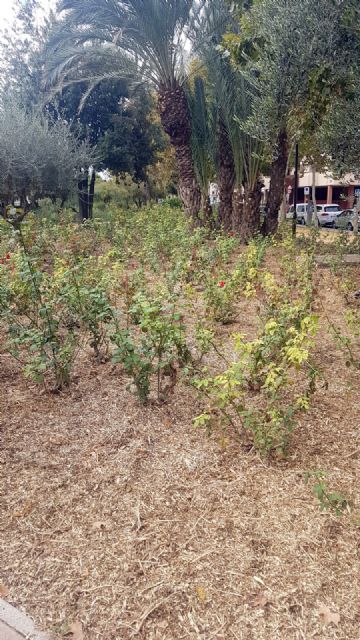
(38, 159)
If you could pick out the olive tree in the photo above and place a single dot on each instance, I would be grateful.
(38, 158)
(297, 55)
(339, 140)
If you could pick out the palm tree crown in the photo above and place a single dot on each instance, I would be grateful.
(151, 33)
(95, 40)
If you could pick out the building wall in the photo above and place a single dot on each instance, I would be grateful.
(328, 190)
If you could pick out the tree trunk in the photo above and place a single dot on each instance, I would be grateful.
(83, 193)
(226, 179)
(64, 197)
(176, 121)
(237, 210)
(86, 191)
(284, 202)
(315, 218)
(188, 187)
(206, 211)
(91, 194)
(147, 190)
(250, 222)
(277, 182)
(356, 216)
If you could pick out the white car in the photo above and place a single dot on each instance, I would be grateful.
(326, 213)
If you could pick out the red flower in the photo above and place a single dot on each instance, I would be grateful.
(221, 284)
(2, 261)
(8, 256)
(232, 234)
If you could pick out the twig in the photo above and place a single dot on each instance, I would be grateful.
(349, 455)
(150, 610)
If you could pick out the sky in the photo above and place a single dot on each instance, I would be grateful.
(6, 10)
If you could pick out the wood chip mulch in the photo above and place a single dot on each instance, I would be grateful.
(127, 522)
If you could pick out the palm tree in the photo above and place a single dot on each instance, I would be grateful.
(226, 173)
(202, 145)
(101, 39)
(238, 154)
(207, 37)
(248, 153)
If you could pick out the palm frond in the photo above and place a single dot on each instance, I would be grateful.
(230, 94)
(151, 32)
(201, 134)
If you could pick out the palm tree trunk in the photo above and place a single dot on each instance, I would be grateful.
(237, 210)
(250, 222)
(206, 211)
(226, 178)
(277, 181)
(188, 187)
(176, 121)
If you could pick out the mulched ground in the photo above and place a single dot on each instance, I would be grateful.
(131, 523)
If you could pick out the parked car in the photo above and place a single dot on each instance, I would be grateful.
(300, 213)
(326, 213)
(345, 220)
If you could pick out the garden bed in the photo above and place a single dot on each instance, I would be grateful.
(129, 521)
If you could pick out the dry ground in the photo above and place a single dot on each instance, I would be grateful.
(127, 520)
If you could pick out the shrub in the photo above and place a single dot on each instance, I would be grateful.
(82, 289)
(258, 392)
(221, 293)
(273, 377)
(156, 346)
(35, 322)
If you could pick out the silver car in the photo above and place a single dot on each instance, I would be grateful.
(345, 220)
(300, 213)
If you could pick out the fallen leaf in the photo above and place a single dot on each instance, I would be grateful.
(4, 591)
(201, 594)
(25, 510)
(224, 442)
(327, 616)
(76, 631)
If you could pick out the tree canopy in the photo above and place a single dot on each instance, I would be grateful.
(232, 84)
(38, 158)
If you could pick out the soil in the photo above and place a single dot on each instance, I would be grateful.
(126, 522)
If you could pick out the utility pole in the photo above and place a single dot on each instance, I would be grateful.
(294, 220)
